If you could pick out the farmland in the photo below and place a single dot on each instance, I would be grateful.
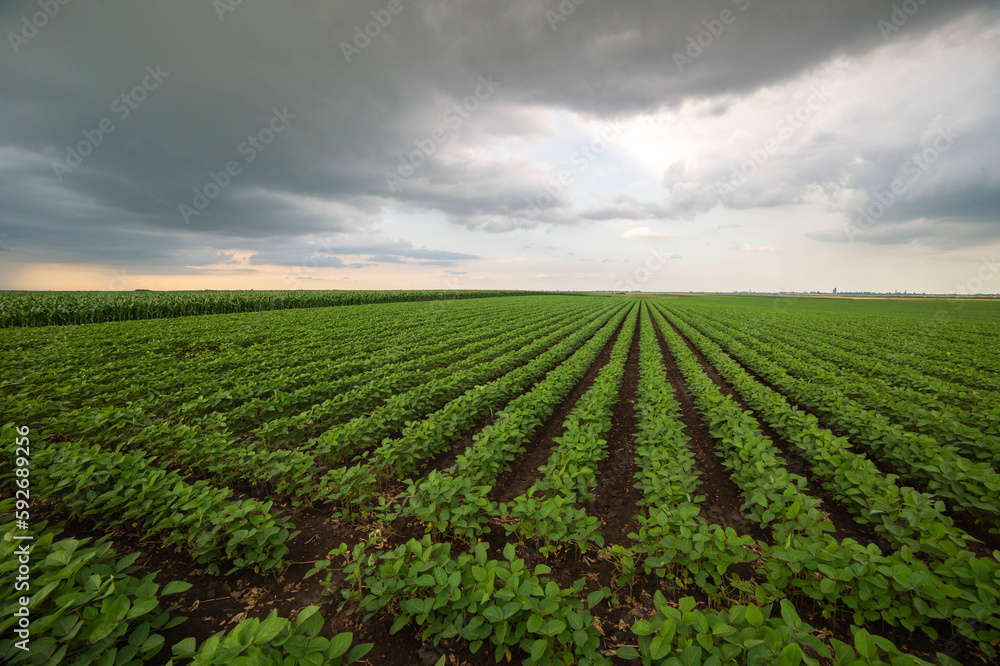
(32, 308)
(525, 478)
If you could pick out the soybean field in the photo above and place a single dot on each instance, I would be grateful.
(523, 478)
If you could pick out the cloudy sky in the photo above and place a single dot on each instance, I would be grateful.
(584, 144)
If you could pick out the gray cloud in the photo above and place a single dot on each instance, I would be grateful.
(329, 250)
(345, 124)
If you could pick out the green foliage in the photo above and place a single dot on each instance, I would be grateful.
(496, 602)
(340, 405)
(116, 488)
(550, 508)
(454, 501)
(85, 607)
(678, 543)
(900, 588)
(273, 641)
(26, 308)
(355, 485)
(684, 636)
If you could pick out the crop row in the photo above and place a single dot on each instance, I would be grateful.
(241, 396)
(224, 381)
(975, 432)
(456, 603)
(550, 509)
(431, 363)
(913, 374)
(974, 487)
(214, 450)
(954, 359)
(126, 489)
(454, 501)
(377, 351)
(400, 457)
(922, 402)
(674, 540)
(845, 576)
(904, 515)
(298, 472)
(76, 307)
(87, 607)
(363, 433)
(503, 604)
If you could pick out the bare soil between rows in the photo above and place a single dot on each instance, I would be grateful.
(615, 495)
(841, 518)
(916, 642)
(523, 471)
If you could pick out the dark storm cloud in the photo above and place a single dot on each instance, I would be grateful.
(266, 125)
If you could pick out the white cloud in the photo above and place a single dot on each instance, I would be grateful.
(645, 233)
(758, 248)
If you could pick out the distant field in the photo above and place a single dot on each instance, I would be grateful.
(45, 308)
(539, 479)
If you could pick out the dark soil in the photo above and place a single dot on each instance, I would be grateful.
(523, 470)
(445, 459)
(615, 493)
(843, 521)
(916, 643)
(863, 533)
(217, 603)
(723, 500)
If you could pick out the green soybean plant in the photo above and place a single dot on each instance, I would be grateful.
(482, 601)
(749, 635)
(85, 606)
(273, 641)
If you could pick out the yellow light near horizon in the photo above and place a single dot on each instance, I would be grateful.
(89, 277)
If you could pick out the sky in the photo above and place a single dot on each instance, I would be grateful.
(727, 145)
